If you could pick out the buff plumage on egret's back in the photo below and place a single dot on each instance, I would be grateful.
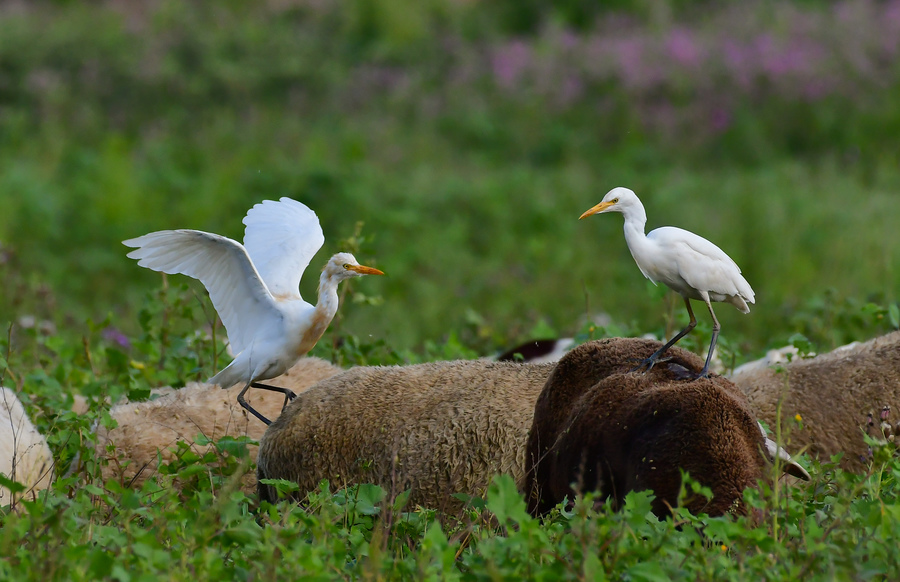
(255, 287)
(685, 262)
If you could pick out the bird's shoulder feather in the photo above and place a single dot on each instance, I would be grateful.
(700, 263)
(690, 244)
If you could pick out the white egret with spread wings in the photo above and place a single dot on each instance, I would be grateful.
(254, 287)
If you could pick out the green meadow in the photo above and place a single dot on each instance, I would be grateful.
(452, 145)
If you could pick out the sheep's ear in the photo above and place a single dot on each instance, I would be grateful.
(773, 450)
(794, 469)
(791, 467)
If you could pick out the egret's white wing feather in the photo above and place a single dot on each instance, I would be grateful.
(702, 264)
(237, 292)
(281, 239)
(672, 235)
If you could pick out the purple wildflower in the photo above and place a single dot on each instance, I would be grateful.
(111, 334)
(683, 49)
(510, 62)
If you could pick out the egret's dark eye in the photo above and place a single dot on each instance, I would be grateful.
(615, 200)
(346, 265)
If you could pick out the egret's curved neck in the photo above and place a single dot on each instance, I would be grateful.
(326, 307)
(327, 304)
(635, 221)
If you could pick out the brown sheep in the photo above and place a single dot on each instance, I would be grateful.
(600, 426)
(182, 414)
(832, 393)
(436, 429)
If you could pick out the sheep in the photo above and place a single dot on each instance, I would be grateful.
(772, 357)
(600, 426)
(24, 454)
(145, 428)
(436, 429)
(831, 393)
(784, 354)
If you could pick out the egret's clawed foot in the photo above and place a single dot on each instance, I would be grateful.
(704, 373)
(647, 364)
(682, 373)
(288, 397)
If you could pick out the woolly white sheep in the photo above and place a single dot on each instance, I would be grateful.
(146, 429)
(24, 454)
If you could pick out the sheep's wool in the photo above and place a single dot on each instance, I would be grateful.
(24, 454)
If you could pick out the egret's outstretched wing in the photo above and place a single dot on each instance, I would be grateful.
(281, 238)
(222, 265)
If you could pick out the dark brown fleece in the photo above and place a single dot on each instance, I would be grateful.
(601, 427)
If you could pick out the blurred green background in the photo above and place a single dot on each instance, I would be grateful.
(467, 136)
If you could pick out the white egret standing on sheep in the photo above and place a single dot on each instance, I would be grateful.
(685, 262)
(255, 287)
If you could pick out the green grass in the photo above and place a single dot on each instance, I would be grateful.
(191, 520)
(815, 534)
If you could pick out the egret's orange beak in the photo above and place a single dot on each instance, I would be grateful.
(599, 208)
(364, 270)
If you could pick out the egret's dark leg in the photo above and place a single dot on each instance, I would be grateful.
(712, 344)
(288, 396)
(649, 362)
(249, 408)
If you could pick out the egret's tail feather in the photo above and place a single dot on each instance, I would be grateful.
(740, 303)
(227, 377)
